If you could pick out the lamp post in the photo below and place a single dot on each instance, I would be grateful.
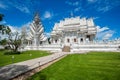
(30, 54)
(39, 63)
(13, 59)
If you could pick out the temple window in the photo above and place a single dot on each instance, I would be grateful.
(68, 40)
(56, 41)
(81, 40)
(75, 40)
(88, 36)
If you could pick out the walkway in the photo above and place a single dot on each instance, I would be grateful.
(13, 70)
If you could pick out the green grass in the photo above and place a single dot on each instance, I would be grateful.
(92, 66)
(7, 59)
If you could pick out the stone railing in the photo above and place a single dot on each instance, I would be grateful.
(95, 47)
(49, 47)
(90, 46)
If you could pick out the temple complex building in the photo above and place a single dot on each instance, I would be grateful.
(73, 30)
(73, 34)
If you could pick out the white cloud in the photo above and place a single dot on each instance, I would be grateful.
(47, 34)
(94, 18)
(2, 6)
(104, 32)
(20, 5)
(77, 9)
(99, 29)
(91, 1)
(76, 3)
(102, 5)
(107, 5)
(47, 15)
(14, 28)
(2, 36)
(24, 9)
(27, 25)
(72, 3)
(3, 22)
(108, 35)
(104, 9)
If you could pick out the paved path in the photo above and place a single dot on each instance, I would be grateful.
(13, 70)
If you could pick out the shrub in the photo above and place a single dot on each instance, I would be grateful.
(2, 49)
(11, 53)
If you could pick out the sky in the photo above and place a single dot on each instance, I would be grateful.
(106, 14)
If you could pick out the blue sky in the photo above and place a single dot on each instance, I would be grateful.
(106, 13)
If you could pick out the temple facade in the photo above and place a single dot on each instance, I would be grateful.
(73, 34)
(73, 30)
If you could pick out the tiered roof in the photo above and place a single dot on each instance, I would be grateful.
(78, 24)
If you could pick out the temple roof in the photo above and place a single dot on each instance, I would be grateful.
(74, 24)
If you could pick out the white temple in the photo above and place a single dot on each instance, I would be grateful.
(74, 31)
(69, 35)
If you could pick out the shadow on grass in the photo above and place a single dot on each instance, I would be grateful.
(11, 71)
(2, 49)
(38, 76)
(42, 76)
(12, 53)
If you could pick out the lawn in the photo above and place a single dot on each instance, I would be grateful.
(26, 55)
(92, 66)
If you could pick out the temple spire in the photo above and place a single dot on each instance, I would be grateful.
(36, 30)
(36, 18)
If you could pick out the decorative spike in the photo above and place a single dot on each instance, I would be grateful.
(36, 18)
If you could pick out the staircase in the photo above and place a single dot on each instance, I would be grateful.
(66, 49)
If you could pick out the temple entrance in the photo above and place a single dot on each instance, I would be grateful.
(68, 40)
(66, 49)
(88, 36)
(56, 41)
(75, 40)
(81, 40)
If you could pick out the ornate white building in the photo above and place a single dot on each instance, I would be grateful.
(74, 30)
(36, 34)
(70, 35)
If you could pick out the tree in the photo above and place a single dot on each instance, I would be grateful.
(2, 27)
(14, 41)
(3, 42)
(1, 17)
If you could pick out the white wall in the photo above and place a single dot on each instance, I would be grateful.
(1, 47)
(53, 47)
(94, 47)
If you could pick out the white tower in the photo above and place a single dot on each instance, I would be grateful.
(36, 31)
